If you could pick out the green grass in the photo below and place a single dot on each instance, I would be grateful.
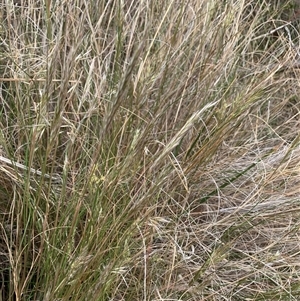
(159, 151)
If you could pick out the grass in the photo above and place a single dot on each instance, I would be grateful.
(151, 150)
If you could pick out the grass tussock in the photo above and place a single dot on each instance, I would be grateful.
(149, 150)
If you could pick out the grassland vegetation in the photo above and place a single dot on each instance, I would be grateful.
(151, 150)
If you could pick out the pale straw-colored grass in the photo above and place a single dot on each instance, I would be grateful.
(173, 128)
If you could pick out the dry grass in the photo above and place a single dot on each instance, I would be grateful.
(151, 150)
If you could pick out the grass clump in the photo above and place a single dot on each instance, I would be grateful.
(149, 151)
